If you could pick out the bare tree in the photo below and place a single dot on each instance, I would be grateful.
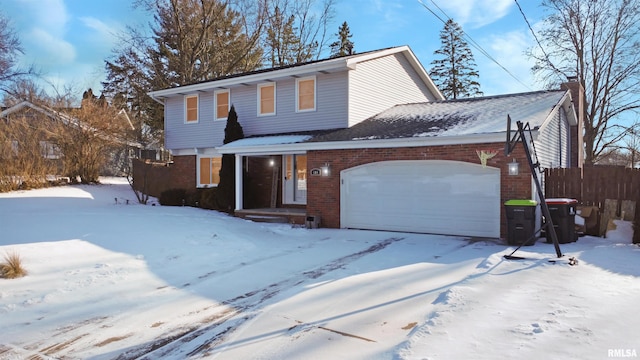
(296, 30)
(598, 41)
(10, 48)
(27, 153)
(87, 138)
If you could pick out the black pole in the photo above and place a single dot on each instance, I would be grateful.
(543, 204)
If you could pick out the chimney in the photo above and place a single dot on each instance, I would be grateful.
(579, 103)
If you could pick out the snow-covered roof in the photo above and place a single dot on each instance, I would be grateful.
(267, 140)
(473, 116)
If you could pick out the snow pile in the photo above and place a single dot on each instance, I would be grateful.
(111, 280)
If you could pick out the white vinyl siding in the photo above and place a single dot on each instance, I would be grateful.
(376, 85)
(267, 99)
(191, 110)
(552, 145)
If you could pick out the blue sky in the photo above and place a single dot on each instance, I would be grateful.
(68, 40)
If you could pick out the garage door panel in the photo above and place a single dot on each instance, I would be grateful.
(432, 196)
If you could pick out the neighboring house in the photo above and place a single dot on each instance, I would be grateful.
(27, 111)
(366, 141)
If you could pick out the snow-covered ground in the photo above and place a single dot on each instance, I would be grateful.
(122, 281)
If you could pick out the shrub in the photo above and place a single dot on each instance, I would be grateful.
(208, 199)
(12, 267)
(193, 197)
(173, 197)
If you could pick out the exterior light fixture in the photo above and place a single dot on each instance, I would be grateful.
(514, 168)
(325, 169)
(272, 162)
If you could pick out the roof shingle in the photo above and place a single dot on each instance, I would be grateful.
(482, 115)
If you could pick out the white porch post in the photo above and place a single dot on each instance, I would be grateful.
(239, 184)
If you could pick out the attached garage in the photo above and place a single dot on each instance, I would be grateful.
(426, 196)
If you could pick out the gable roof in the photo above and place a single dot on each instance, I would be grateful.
(473, 116)
(326, 66)
(65, 118)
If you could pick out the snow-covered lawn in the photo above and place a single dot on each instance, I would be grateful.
(122, 281)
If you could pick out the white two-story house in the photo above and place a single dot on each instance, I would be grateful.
(301, 99)
(366, 141)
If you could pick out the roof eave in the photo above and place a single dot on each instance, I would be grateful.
(566, 104)
(330, 65)
(367, 144)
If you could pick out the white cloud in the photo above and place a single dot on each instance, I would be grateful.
(51, 49)
(508, 50)
(107, 32)
(49, 15)
(473, 13)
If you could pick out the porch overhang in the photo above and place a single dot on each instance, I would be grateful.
(282, 145)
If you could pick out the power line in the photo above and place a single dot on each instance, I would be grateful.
(473, 42)
(546, 56)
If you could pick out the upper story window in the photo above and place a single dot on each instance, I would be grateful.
(267, 99)
(191, 109)
(306, 94)
(222, 104)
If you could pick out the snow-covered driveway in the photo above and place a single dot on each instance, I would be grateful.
(117, 281)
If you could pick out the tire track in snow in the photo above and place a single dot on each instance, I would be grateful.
(200, 340)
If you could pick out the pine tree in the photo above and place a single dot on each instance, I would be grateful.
(344, 45)
(454, 73)
(225, 193)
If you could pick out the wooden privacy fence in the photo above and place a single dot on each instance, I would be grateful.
(598, 186)
(594, 184)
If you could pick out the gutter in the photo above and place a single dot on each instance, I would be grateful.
(365, 144)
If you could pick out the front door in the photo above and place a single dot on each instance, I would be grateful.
(295, 179)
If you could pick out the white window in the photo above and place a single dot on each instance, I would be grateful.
(222, 104)
(306, 94)
(267, 99)
(191, 109)
(209, 171)
(49, 150)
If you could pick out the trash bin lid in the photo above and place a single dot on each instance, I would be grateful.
(561, 201)
(521, 202)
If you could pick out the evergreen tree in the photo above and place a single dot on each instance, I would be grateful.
(344, 45)
(127, 85)
(454, 73)
(225, 193)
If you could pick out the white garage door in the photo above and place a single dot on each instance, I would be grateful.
(426, 196)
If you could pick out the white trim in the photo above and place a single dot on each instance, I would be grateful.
(328, 65)
(215, 103)
(564, 104)
(315, 93)
(206, 156)
(259, 87)
(186, 98)
(239, 184)
(367, 144)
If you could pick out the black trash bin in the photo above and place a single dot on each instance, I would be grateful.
(521, 221)
(563, 215)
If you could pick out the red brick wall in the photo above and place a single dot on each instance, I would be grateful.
(160, 177)
(323, 198)
(259, 181)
